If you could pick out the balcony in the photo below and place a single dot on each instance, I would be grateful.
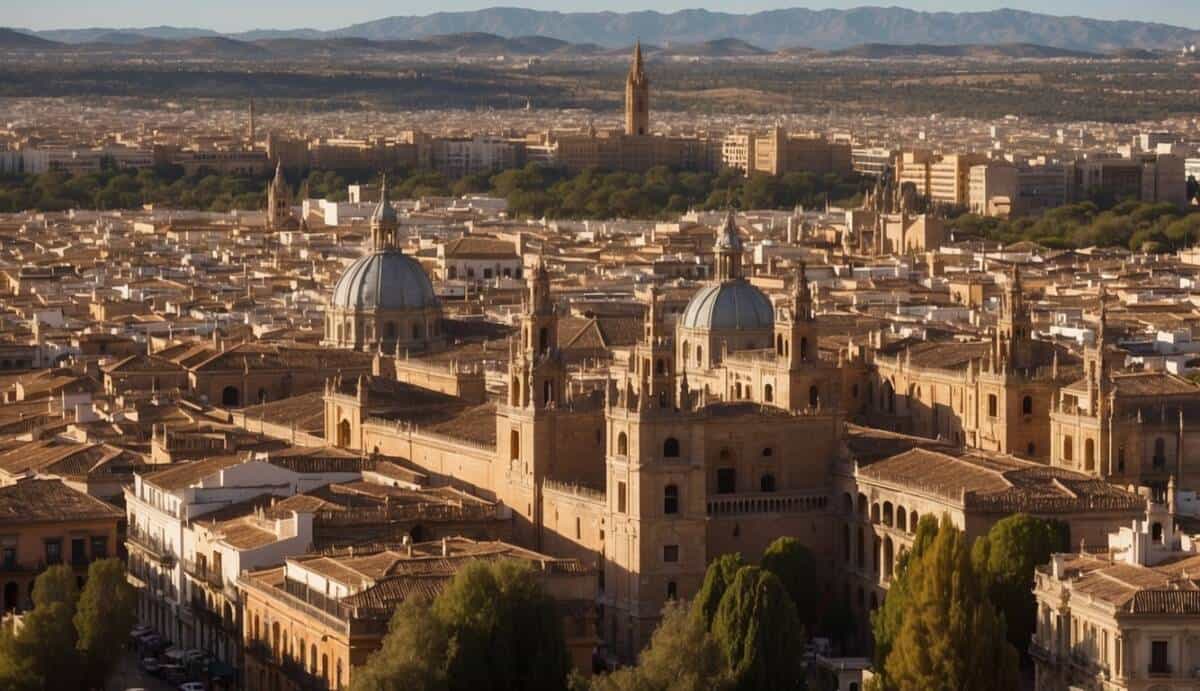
(151, 545)
(765, 503)
(202, 573)
(292, 669)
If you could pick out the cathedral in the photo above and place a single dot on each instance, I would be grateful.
(717, 438)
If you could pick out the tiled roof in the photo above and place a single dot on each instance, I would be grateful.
(50, 500)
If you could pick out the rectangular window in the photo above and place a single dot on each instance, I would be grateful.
(671, 553)
(578, 528)
(99, 547)
(53, 551)
(993, 405)
(1158, 658)
(78, 551)
(620, 497)
(726, 480)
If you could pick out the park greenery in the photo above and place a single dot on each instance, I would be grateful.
(531, 191)
(1137, 226)
(70, 639)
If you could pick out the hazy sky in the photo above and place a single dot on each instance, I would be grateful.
(238, 15)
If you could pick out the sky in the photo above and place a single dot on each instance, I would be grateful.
(239, 15)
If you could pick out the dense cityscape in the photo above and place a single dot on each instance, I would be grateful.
(676, 385)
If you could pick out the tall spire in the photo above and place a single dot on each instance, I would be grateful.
(637, 96)
(384, 221)
(802, 303)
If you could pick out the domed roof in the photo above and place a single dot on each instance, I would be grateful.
(729, 305)
(384, 279)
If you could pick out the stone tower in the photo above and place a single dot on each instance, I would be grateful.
(637, 96)
(278, 201)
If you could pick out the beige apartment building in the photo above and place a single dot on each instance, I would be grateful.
(1123, 618)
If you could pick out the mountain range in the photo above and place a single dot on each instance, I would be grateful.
(768, 31)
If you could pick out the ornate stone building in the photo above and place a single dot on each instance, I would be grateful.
(384, 300)
(637, 96)
(991, 395)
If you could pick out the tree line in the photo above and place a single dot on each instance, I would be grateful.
(532, 192)
(957, 615)
(1138, 226)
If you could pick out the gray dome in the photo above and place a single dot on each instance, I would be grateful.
(729, 305)
(385, 279)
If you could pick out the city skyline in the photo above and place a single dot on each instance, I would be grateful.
(308, 14)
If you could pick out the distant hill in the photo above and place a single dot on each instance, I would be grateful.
(883, 51)
(10, 39)
(770, 30)
(718, 48)
(822, 29)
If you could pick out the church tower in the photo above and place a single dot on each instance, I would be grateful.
(637, 96)
(728, 250)
(384, 221)
(278, 201)
(1014, 328)
(796, 327)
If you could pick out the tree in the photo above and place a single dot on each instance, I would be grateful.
(105, 614)
(412, 655)
(43, 651)
(682, 656)
(717, 578)
(796, 568)
(950, 637)
(493, 627)
(757, 628)
(1006, 558)
(887, 620)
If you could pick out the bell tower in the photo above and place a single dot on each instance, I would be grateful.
(728, 250)
(1014, 328)
(796, 329)
(278, 200)
(637, 96)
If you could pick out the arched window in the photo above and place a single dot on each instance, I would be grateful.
(1156, 533)
(768, 393)
(671, 448)
(766, 483)
(543, 340)
(700, 354)
(671, 499)
(1068, 448)
(779, 344)
(768, 451)
(1089, 454)
(1027, 405)
(814, 396)
(622, 444)
(737, 390)
(389, 331)
(514, 445)
(803, 347)
(230, 396)
(343, 435)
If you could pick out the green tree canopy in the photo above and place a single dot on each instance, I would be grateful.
(757, 628)
(682, 656)
(103, 617)
(721, 572)
(1006, 558)
(950, 634)
(796, 568)
(493, 627)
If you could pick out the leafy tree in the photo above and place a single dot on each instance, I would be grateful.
(682, 656)
(717, 578)
(493, 627)
(103, 617)
(951, 636)
(43, 652)
(1006, 557)
(796, 568)
(412, 656)
(757, 628)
